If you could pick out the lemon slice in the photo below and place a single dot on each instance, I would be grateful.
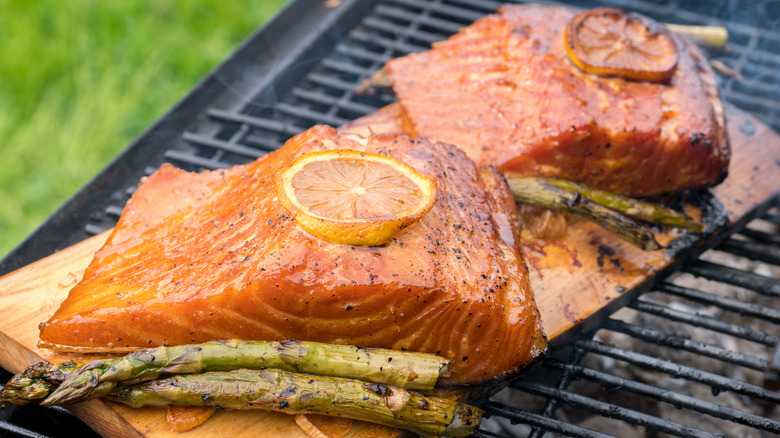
(609, 42)
(323, 426)
(353, 197)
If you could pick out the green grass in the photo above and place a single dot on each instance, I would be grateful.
(80, 79)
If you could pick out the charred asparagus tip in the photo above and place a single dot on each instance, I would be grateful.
(34, 384)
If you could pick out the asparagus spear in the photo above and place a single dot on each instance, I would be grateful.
(404, 369)
(713, 37)
(300, 393)
(35, 383)
(535, 191)
(374, 83)
(646, 211)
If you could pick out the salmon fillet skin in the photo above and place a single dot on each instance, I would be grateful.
(214, 255)
(504, 90)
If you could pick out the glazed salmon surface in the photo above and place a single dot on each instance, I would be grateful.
(213, 255)
(505, 91)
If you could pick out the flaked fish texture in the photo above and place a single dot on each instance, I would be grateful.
(504, 90)
(214, 255)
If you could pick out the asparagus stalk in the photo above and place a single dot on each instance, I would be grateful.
(404, 369)
(374, 83)
(721, 67)
(536, 191)
(35, 383)
(713, 37)
(646, 211)
(300, 393)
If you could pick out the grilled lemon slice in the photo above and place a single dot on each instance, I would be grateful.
(352, 197)
(609, 42)
(317, 426)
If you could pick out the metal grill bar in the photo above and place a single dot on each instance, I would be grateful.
(384, 26)
(760, 236)
(18, 431)
(329, 82)
(262, 141)
(680, 401)
(345, 67)
(549, 424)
(665, 339)
(609, 410)
(725, 274)
(193, 161)
(741, 307)
(359, 54)
(484, 6)
(310, 116)
(484, 434)
(95, 229)
(717, 382)
(552, 405)
(453, 14)
(773, 218)
(398, 47)
(348, 106)
(226, 146)
(442, 26)
(753, 251)
(257, 122)
(55, 418)
(705, 321)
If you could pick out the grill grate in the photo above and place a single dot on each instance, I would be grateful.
(326, 92)
(685, 359)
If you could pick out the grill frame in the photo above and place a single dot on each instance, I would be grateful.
(216, 117)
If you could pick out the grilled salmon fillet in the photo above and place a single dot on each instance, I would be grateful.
(214, 255)
(504, 90)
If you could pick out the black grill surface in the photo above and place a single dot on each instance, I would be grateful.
(687, 358)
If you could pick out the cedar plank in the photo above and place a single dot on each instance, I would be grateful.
(571, 287)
